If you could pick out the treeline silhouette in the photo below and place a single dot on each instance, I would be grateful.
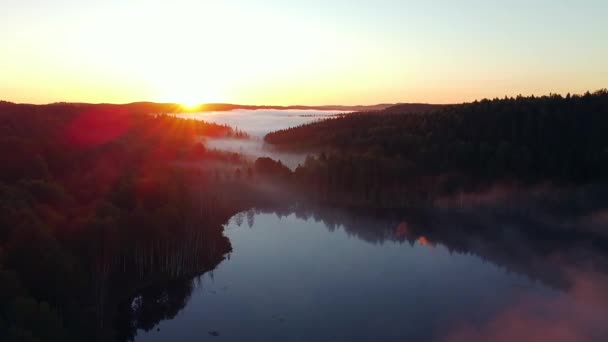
(174, 108)
(98, 202)
(525, 139)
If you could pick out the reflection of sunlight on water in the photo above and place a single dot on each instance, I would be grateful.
(425, 242)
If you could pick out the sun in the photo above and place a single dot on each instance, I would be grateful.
(190, 104)
(187, 92)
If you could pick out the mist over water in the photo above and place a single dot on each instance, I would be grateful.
(257, 123)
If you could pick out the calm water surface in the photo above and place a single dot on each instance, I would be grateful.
(292, 278)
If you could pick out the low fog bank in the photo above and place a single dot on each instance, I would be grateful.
(255, 148)
(258, 123)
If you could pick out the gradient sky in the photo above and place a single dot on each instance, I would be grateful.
(299, 52)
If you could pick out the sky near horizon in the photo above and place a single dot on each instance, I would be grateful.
(299, 52)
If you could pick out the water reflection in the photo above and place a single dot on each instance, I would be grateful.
(167, 264)
(304, 273)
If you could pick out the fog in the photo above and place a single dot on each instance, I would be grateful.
(254, 148)
(258, 123)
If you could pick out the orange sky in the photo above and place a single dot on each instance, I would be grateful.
(290, 52)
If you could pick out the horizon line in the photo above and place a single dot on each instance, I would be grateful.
(301, 105)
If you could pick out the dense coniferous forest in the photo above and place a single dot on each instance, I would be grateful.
(525, 140)
(96, 201)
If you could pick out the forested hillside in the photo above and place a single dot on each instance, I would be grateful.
(92, 207)
(524, 138)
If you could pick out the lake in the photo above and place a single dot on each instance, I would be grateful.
(292, 276)
(258, 123)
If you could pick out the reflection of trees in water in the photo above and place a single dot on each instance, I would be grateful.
(154, 305)
(151, 306)
(531, 236)
(527, 242)
(250, 218)
(149, 274)
(152, 281)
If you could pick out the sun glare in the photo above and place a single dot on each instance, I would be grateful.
(190, 105)
(189, 95)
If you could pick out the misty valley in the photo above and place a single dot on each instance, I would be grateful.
(483, 221)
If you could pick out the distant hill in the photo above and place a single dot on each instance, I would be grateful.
(132, 108)
(358, 108)
(154, 107)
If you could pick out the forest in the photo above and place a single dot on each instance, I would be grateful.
(96, 202)
(393, 158)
